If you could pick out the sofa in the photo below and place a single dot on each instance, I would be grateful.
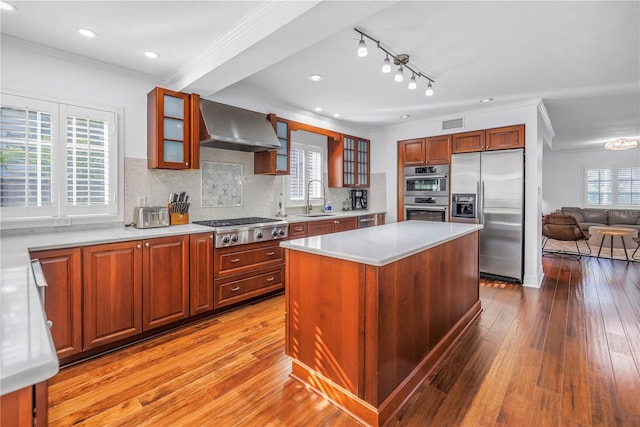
(587, 217)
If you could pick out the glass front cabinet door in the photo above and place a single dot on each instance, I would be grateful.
(169, 127)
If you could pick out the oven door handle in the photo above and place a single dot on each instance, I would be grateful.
(426, 208)
(414, 178)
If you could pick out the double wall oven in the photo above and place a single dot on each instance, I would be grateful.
(426, 193)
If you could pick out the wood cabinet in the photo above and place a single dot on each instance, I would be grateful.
(63, 297)
(201, 273)
(112, 292)
(335, 225)
(349, 160)
(380, 219)
(275, 162)
(298, 230)
(244, 272)
(131, 287)
(426, 151)
(489, 139)
(165, 281)
(26, 407)
(173, 132)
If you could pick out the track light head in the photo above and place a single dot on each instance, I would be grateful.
(429, 91)
(412, 82)
(362, 47)
(386, 65)
(399, 76)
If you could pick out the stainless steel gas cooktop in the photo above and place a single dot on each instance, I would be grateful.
(239, 231)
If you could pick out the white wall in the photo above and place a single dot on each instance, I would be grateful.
(563, 173)
(384, 159)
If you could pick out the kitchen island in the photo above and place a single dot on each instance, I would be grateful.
(370, 312)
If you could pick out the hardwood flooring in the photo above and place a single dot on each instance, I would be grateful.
(567, 354)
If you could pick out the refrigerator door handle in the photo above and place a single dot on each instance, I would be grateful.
(482, 202)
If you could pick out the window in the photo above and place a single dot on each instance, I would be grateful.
(306, 164)
(613, 187)
(56, 160)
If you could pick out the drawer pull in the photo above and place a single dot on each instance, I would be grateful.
(271, 279)
(235, 260)
(237, 288)
(271, 253)
(299, 228)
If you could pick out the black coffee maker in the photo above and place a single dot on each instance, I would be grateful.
(359, 199)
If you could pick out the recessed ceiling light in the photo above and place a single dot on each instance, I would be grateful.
(85, 32)
(336, 114)
(6, 6)
(486, 100)
(316, 77)
(318, 108)
(405, 116)
(150, 54)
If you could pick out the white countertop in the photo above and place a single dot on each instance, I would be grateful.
(296, 218)
(384, 244)
(27, 353)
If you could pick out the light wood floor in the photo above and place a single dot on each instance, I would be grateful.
(565, 354)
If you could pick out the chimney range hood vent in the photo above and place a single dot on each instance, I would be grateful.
(233, 128)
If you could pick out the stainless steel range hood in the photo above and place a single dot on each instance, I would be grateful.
(234, 128)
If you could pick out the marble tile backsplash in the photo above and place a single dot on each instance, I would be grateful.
(260, 193)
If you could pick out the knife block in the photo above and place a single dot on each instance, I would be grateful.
(177, 218)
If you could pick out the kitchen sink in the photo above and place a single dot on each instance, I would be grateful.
(313, 215)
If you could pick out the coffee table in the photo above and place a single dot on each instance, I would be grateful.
(613, 232)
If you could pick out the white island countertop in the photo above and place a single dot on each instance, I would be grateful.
(384, 244)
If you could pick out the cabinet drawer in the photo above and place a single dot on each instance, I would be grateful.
(229, 292)
(236, 261)
(298, 230)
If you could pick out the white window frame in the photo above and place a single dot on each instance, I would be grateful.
(615, 204)
(59, 213)
(315, 201)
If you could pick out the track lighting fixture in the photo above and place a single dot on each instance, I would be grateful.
(362, 47)
(401, 60)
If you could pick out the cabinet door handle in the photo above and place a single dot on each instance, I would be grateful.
(235, 289)
(211, 236)
(235, 260)
(187, 164)
(138, 246)
(271, 279)
(147, 244)
(49, 324)
(271, 253)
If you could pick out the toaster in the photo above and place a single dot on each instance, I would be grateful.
(150, 216)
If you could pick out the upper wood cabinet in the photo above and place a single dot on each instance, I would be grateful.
(349, 159)
(63, 297)
(489, 139)
(275, 162)
(426, 151)
(173, 130)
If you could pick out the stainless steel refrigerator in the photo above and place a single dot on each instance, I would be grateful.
(496, 178)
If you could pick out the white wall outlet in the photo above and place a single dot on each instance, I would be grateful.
(61, 222)
(141, 201)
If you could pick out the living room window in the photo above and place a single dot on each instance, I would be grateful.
(56, 160)
(613, 187)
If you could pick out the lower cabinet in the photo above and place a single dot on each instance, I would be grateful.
(26, 407)
(112, 292)
(201, 273)
(246, 272)
(63, 297)
(327, 226)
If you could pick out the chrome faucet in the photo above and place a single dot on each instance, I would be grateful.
(307, 206)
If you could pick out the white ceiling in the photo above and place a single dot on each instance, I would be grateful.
(581, 58)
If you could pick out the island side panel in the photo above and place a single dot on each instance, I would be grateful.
(325, 311)
(419, 300)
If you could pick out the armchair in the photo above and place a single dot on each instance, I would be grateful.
(565, 228)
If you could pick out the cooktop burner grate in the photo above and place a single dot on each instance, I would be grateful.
(235, 221)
